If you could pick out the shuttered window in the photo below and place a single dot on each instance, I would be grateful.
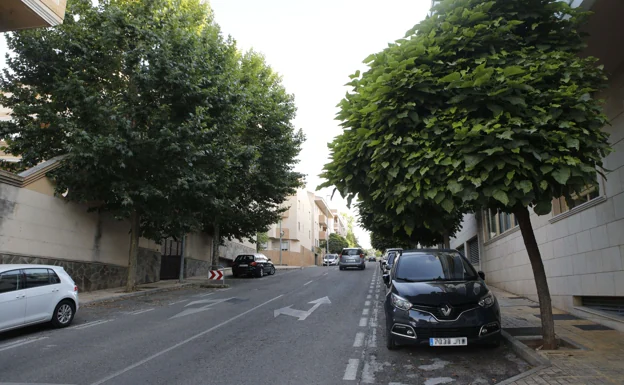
(613, 305)
(473, 251)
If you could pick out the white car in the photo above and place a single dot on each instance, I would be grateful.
(31, 294)
(330, 260)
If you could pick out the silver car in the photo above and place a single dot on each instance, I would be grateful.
(352, 257)
(330, 260)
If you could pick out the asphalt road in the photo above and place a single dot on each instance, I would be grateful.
(309, 326)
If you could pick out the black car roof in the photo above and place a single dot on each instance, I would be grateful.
(429, 251)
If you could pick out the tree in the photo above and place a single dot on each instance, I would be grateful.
(351, 238)
(337, 243)
(383, 243)
(261, 240)
(484, 104)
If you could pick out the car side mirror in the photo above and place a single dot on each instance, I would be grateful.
(482, 275)
(386, 279)
(269, 259)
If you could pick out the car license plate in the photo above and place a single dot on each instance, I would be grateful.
(459, 341)
(351, 260)
(242, 265)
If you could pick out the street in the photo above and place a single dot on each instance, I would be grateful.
(316, 325)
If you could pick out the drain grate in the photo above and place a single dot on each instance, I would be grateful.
(561, 317)
(524, 331)
(593, 327)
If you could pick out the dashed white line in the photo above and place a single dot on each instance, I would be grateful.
(140, 311)
(367, 376)
(365, 311)
(366, 303)
(359, 340)
(372, 340)
(89, 324)
(21, 342)
(307, 283)
(351, 371)
(363, 321)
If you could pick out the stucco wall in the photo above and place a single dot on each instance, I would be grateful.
(583, 249)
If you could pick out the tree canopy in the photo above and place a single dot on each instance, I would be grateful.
(336, 243)
(483, 104)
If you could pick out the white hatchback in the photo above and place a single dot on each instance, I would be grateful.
(31, 294)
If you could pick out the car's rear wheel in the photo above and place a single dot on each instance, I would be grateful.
(272, 270)
(63, 314)
(340, 268)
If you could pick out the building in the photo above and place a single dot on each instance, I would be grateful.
(325, 222)
(340, 224)
(25, 14)
(582, 244)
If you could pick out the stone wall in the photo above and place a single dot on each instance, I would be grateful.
(148, 266)
(194, 267)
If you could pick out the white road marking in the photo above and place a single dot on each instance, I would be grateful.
(325, 273)
(351, 371)
(366, 303)
(186, 341)
(365, 311)
(370, 292)
(140, 311)
(203, 295)
(301, 314)
(21, 342)
(173, 303)
(359, 340)
(367, 376)
(363, 321)
(307, 283)
(89, 324)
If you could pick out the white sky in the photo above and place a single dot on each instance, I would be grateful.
(315, 46)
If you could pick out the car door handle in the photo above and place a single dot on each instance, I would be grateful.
(21, 296)
(55, 290)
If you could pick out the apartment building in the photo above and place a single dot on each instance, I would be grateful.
(340, 224)
(581, 242)
(25, 14)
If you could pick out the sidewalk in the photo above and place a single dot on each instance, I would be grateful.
(92, 297)
(600, 362)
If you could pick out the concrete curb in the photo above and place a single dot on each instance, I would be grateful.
(136, 294)
(529, 355)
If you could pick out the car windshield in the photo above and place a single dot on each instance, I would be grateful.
(434, 267)
(245, 258)
(350, 252)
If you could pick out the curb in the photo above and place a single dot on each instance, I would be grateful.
(529, 355)
(136, 294)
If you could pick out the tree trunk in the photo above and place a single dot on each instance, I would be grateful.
(447, 240)
(181, 278)
(135, 225)
(216, 241)
(543, 293)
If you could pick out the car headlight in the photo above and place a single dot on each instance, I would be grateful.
(400, 302)
(487, 300)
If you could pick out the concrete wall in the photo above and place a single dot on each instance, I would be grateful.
(582, 249)
(302, 258)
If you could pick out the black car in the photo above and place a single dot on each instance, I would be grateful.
(256, 265)
(436, 297)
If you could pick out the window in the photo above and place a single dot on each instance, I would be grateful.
(10, 281)
(54, 279)
(497, 222)
(473, 251)
(285, 245)
(309, 234)
(36, 278)
(560, 205)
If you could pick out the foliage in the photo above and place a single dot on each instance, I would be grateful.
(261, 240)
(323, 244)
(382, 243)
(351, 238)
(337, 243)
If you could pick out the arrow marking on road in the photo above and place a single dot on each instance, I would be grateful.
(302, 314)
(209, 303)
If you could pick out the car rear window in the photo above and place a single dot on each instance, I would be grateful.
(434, 267)
(351, 252)
(245, 258)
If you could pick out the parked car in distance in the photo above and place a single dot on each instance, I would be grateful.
(255, 265)
(372, 258)
(392, 255)
(352, 257)
(32, 294)
(330, 260)
(436, 297)
(384, 258)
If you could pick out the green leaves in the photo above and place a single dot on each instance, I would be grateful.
(501, 196)
(561, 175)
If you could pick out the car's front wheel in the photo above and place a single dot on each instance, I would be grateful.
(272, 270)
(63, 314)
(390, 342)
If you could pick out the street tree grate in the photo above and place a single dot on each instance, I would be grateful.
(516, 298)
(561, 317)
(593, 327)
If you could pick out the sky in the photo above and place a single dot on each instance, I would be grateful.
(315, 46)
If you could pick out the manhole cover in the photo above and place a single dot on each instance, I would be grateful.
(561, 317)
(525, 331)
(593, 327)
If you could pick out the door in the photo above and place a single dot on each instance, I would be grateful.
(41, 295)
(12, 299)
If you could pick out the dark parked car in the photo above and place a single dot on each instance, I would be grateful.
(390, 261)
(256, 265)
(384, 258)
(372, 258)
(352, 257)
(436, 297)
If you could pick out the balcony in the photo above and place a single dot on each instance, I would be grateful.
(322, 220)
(322, 235)
(25, 14)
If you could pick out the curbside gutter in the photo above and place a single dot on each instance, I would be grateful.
(535, 359)
(135, 294)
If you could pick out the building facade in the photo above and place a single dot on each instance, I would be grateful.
(581, 242)
(340, 224)
(25, 14)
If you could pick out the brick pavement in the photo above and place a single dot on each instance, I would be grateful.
(602, 362)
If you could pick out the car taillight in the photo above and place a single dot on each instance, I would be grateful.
(361, 255)
(76, 289)
(253, 263)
